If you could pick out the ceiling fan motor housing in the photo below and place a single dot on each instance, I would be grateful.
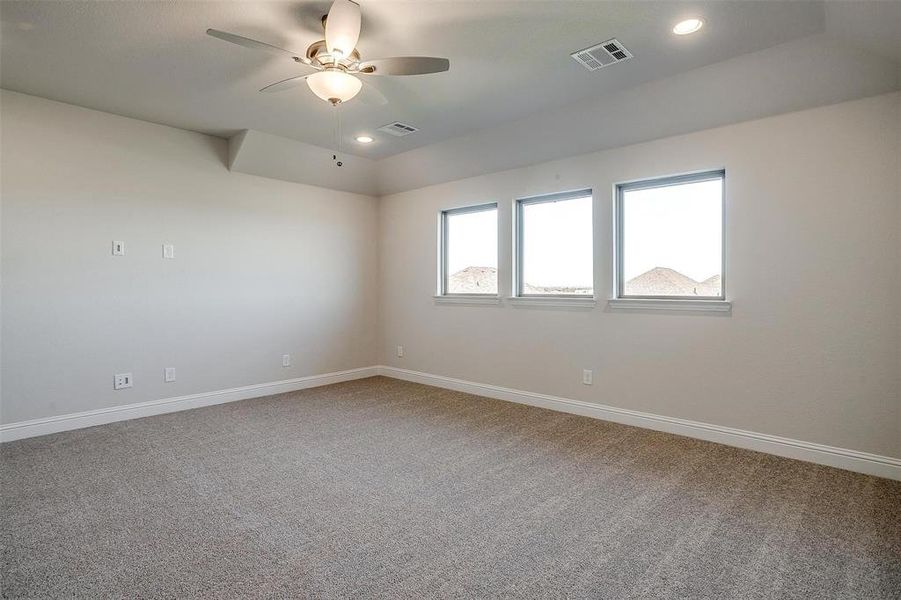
(319, 56)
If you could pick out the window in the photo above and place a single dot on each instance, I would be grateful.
(554, 255)
(670, 237)
(469, 250)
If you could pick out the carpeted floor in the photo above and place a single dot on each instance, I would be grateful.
(381, 488)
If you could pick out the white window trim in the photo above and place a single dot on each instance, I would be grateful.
(442, 257)
(672, 305)
(554, 301)
(655, 302)
(570, 300)
(467, 299)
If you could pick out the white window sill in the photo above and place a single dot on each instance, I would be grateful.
(467, 299)
(554, 301)
(677, 305)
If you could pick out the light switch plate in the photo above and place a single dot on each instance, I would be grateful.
(168, 251)
(118, 248)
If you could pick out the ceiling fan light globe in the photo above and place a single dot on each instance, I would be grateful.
(331, 85)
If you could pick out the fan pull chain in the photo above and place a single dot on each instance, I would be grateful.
(337, 136)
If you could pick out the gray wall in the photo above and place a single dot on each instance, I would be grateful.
(265, 267)
(811, 351)
(262, 267)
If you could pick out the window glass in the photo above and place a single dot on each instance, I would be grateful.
(555, 246)
(672, 238)
(470, 250)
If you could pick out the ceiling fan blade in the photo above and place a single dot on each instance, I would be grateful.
(371, 95)
(285, 84)
(404, 65)
(248, 43)
(342, 27)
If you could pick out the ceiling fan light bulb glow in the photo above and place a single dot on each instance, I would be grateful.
(334, 84)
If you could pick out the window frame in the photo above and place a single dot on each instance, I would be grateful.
(442, 248)
(619, 234)
(519, 239)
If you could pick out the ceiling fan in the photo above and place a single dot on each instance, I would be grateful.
(336, 60)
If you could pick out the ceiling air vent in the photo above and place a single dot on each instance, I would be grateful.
(398, 129)
(602, 55)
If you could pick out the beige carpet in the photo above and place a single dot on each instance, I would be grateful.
(380, 488)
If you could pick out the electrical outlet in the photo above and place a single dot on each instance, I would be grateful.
(169, 374)
(400, 351)
(286, 360)
(587, 376)
(118, 248)
(122, 381)
(168, 251)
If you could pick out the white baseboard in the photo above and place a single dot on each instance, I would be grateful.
(851, 460)
(36, 427)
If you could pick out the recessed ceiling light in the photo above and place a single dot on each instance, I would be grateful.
(687, 26)
(364, 139)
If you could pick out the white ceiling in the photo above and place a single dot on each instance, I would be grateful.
(509, 60)
(801, 74)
